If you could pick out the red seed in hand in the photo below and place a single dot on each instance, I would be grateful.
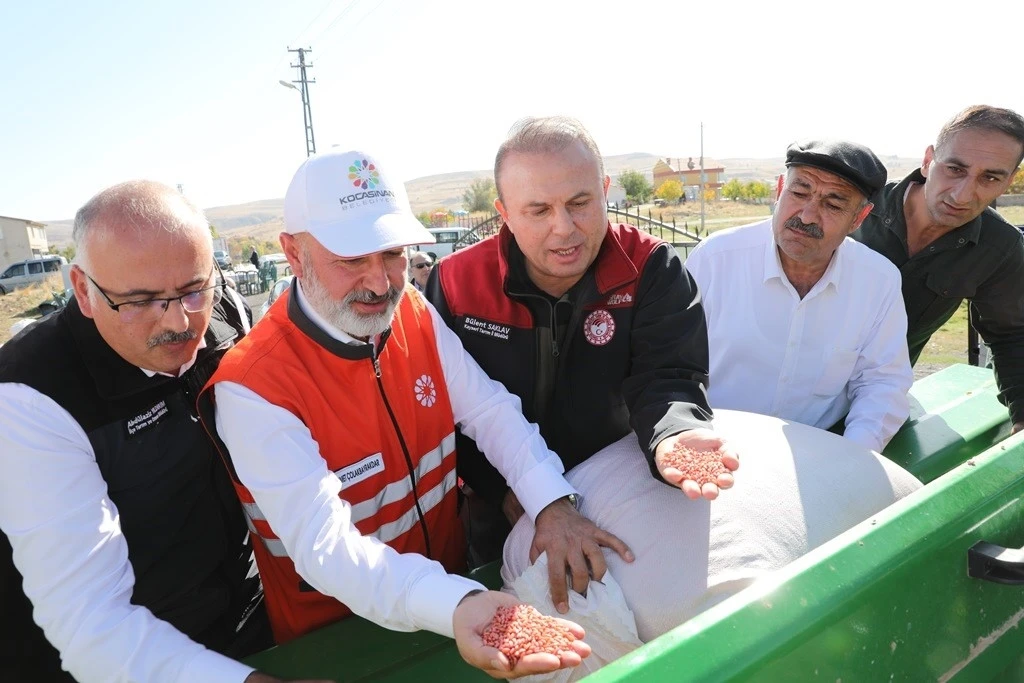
(522, 630)
(702, 467)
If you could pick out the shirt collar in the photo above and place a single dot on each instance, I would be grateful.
(773, 264)
(896, 221)
(184, 368)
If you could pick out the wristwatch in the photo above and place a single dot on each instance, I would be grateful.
(575, 499)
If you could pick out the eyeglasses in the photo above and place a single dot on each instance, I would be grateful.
(420, 266)
(151, 310)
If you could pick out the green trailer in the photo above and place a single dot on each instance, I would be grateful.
(923, 591)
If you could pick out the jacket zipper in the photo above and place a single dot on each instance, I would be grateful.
(405, 452)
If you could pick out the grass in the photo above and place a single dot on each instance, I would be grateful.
(949, 343)
(1013, 214)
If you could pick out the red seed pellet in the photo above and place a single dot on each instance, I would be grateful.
(702, 467)
(522, 630)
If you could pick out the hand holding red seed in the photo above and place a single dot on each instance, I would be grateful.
(521, 630)
(474, 615)
(697, 461)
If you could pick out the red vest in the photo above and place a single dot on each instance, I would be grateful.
(378, 434)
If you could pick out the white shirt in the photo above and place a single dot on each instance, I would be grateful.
(841, 349)
(69, 548)
(277, 459)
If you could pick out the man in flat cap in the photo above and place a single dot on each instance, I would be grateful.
(936, 227)
(804, 323)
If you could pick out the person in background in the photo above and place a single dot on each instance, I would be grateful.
(420, 265)
(804, 323)
(937, 227)
(254, 258)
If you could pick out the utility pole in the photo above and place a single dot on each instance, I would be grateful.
(307, 113)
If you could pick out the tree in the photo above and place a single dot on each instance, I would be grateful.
(757, 191)
(733, 190)
(480, 196)
(67, 251)
(213, 231)
(638, 190)
(424, 218)
(1017, 186)
(670, 191)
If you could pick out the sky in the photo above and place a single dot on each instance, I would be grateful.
(187, 92)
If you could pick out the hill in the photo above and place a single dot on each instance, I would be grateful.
(264, 219)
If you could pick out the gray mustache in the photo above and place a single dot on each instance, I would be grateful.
(368, 297)
(810, 229)
(172, 338)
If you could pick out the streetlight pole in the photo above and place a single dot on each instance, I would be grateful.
(701, 178)
(307, 112)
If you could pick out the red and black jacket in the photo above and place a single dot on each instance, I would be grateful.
(624, 349)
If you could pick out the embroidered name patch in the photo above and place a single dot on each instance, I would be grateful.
(482, 327)
(147, 419)
(619, 299)
(367, 467)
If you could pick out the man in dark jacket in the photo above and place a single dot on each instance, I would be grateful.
(936, 226)
(597, 328)
(122, 538)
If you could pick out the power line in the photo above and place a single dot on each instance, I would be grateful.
(336, 42)
(313, 21)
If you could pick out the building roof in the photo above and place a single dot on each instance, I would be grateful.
(680, 165)
(25, 220)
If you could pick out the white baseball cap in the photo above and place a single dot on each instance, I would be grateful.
(351, 206)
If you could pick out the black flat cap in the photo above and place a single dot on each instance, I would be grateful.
(848, 160)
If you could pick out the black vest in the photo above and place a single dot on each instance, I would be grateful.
(187, 539)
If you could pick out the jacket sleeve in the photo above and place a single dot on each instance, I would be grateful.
(665, 390)
(997, 312)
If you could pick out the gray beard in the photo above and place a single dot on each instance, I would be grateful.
(342, 315)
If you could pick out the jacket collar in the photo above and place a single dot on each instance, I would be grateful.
(115, 377)
(322, 338)
(894, 219)
(612, 268)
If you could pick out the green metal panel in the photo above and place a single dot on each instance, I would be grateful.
(888, 600)
(357, 650)
(954, 414)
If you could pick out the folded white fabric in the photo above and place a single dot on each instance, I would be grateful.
(603, 614)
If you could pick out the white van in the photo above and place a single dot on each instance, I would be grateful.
(446, 239)
(30, 271)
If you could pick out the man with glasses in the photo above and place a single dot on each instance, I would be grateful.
(420, 265)
(804, 323)
(123, 540)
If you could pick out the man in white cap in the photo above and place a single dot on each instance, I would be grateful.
(339, 415)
